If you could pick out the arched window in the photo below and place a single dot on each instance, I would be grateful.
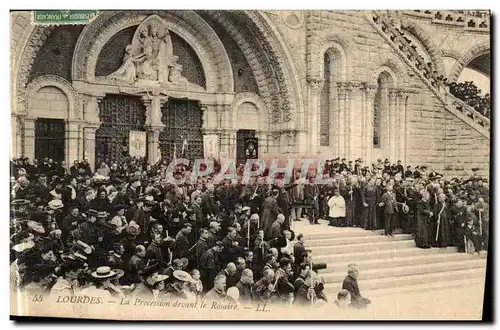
(381, 111)
(332, 65)
(324, 128)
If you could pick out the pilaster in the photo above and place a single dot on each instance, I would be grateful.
(369, 97)
(154, 126)
(72, 151)
(29, 137)
(314, 88)
(393, 108)
(341, 120)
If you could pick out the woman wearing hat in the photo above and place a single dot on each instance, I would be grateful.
(152, 284)
(119, 220)
(103, 277)
(180, 288)
(101, 202)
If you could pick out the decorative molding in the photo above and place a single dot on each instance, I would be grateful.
(254, 99)
(392, 65)
(74, 102)
(450, 53)
(187, 24)
(426, 41)
(28, 55)
(466, 58)
(299, 14)
(320, 43)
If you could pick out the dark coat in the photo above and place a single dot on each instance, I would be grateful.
(351, 284)
(270, 211)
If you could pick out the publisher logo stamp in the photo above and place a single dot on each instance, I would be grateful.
(51, 17)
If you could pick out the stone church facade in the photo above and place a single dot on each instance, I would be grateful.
(353, 84)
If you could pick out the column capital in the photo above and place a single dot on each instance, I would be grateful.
(370, 89)
(315, 83)
(91, 126)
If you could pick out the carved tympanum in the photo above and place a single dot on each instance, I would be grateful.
(150, 56)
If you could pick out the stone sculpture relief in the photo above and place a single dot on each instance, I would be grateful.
(150, 57)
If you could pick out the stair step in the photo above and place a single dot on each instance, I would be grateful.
(401, 281)
(397, 261)
(379, 254)
(385, 243)
(323, 232)
(424, 287)
(415, 269)
(354, 240)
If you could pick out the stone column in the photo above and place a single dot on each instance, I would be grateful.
(369, 91)
(92, 123)
(402, 99)
(314, 88)
(72, 151)
(154, 126)
(392, 124)
(16, 129)
(89, 145)
(356, 130)
(341, 120)
(29, 137)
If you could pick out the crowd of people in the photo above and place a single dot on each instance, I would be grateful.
(471, 95)
(124, 229)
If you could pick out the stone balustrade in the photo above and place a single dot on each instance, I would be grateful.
(417, 61)
(467, 110)
(470, 19)
(410, 51)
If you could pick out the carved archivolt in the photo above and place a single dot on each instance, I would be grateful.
(270, 60)
(450, 53)
(187, 24)
(254, 99)
(320, 44)
(426, 41)
(466, 58)
(74, 104)
(392, 65)
(38, 35)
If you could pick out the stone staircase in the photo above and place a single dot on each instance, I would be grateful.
(415, 61)
(387, 265)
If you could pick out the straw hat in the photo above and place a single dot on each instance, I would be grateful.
(103, 272)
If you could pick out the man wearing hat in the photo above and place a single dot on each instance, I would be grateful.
(417, 174)
(408, 173)
(399, 168)
(358, 166)
(210, 264)
(343, 166)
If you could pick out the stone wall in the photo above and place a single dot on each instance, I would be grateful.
(465, 149)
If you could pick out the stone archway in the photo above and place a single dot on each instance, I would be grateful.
(466, 58)
(187, 24)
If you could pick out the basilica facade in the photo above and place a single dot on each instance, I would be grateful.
(349, 84)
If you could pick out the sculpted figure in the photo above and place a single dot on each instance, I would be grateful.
(127, 71)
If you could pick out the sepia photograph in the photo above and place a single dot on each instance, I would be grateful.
(250, 164)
